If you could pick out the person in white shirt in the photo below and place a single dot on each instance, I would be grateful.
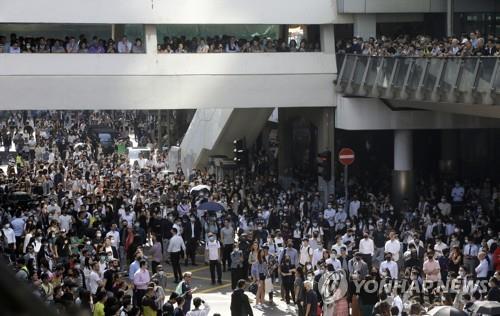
(213, 252)
(444, 206)
(176, 247)
(124, 46)
(440, 245)
(393, 246)
(317, 255)
(114, 234)
(65, 221)
(397, 301)
(388, 266)
(334, 261)
(457, 193)
(482, 268)
(329, 215)
(367, 249)
(95, 279)
(354, 207)
(338, 245)
(197, 311)
(10, 238)
(306, 252)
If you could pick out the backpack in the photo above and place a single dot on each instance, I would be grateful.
(178, 289)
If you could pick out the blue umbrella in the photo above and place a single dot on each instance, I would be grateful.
(211, 206)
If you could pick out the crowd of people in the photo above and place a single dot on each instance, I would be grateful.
(101, 232)
(216, 44)
(230, 44)
(70, 45)
(472, 44)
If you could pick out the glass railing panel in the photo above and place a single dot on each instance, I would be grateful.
(432, 73)
(371, 76)
(401, 71)
(347, 69)
(386, 71)
(416, 73)
(468, 74)
(485, 74)
(362, 63)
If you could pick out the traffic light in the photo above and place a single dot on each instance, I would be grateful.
(325, 165)
(240, 153)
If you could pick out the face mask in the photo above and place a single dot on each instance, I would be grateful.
(315, 224)
(88, 242)
(211, 238)
(192, 220)
(308, 267)
(77, 266)
(297, 225)
(259, 227)
(98, 235)
(348, 223)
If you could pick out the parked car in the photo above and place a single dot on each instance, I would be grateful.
(103, 135)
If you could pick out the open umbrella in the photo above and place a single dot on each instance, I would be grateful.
(486, 307)
(211, 207)
(199, 188)
(445, 311)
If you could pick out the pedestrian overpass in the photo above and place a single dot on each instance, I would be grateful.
(467, 85)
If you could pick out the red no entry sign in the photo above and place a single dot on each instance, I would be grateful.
(346, 156)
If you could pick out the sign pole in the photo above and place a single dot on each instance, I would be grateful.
(346, 157)
(346, 187)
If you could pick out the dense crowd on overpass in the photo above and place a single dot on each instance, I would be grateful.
(217, 44)
(230, 44)
(99, 232)
(472, 44)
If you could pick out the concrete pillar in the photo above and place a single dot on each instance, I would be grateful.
(365, 25)
(285, 140)
(449, 17)
(117, 32)
(449, 152)
(402, 177)
(327, 38)
(151, 39)
(326, 141)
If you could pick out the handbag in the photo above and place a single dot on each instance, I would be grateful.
(268, 285)
(253, 288)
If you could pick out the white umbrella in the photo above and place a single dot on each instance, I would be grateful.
(445, 311)
(199, 188)
(486, 307)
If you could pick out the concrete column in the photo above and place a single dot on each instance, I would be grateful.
(449, 17)
(402, 177)
(365, 25)
(151, 39)
(327, 38)
(449, 152)
(117, 31)
(285, 140)
(325, 121)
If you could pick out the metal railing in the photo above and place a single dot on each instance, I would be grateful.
(470, 80)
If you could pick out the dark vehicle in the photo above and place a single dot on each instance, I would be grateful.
(103, 135)
(18, 198)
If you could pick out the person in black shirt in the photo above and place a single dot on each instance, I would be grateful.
(287, 269)
(311, 303)
(178, 311)
(240, 305)
(111, 274)
(168, 307)
(494, 292)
